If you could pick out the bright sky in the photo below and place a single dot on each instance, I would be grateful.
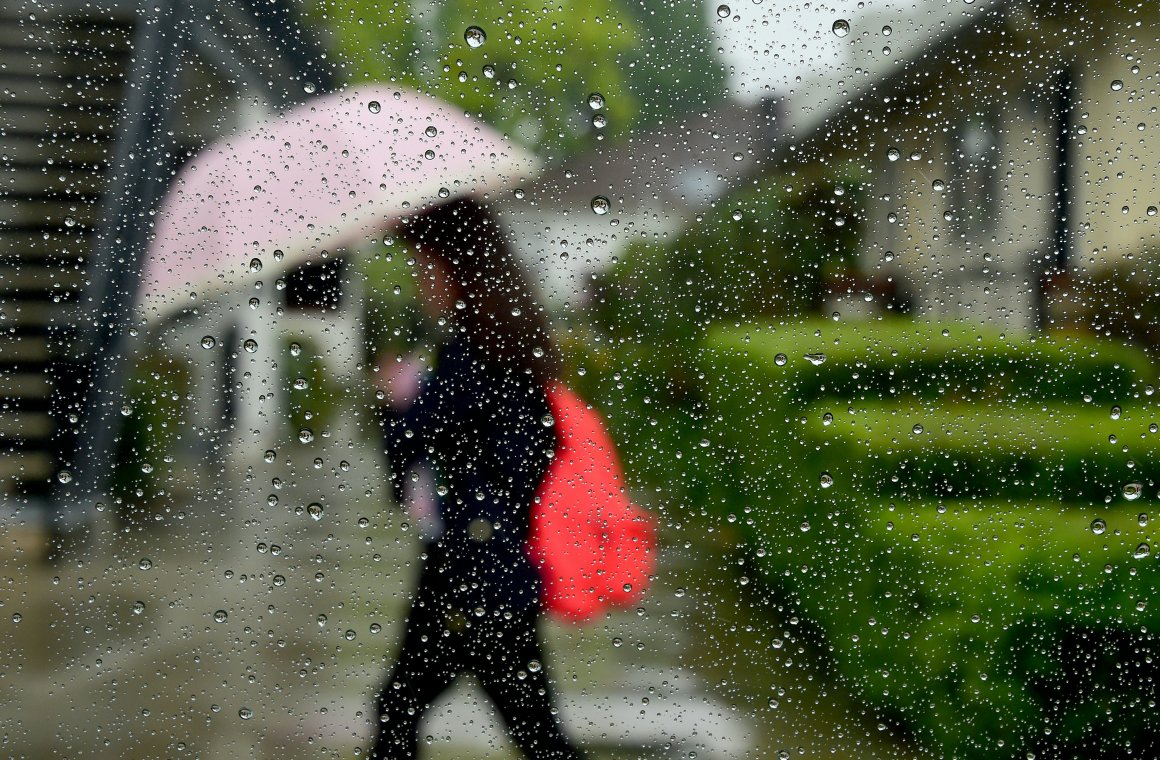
(774, 45)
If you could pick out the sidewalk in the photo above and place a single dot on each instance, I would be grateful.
(125, 653)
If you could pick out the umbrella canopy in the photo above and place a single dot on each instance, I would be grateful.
(324, 175)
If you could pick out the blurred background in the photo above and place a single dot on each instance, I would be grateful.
(865, 291)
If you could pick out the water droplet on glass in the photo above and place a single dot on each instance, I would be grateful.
(887, 31)
(893, 154)
(841, 27)
(826, 480)
(489, 71)
(938, 185)
(816, 359)
(1117, 85)
(145, 563)
(301, 384)
(827, 419)
(596, 101)
(255, 265)
(429, 154)
(295, 349)
(1142, 519)
(601, 205)
(780, 360)
(599, 120)
(70, 222)
(314, 509)
(220, 616)
(1116, 412)
(917, 429)
(309, 88)
(374, 106)
(349, 635)
(250, 345)
(208, 342)
(1098, 526)
(17, 617)
(245, 713)
(723, 11)
(534, 666)
(1142, 551)
(138, 608)
(1133, 491)
(474, 36)
(376, 628)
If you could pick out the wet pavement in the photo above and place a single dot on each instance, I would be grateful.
(233, 625)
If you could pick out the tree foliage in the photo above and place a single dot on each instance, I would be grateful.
(533, 75)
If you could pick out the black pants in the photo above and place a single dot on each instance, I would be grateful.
(503, 652)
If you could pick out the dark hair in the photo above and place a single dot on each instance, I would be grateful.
(501, 315)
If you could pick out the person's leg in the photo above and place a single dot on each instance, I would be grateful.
(510, 665)
(427, 664)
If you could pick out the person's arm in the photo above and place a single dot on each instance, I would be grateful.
(411, 429)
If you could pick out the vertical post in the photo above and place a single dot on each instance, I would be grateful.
(138, 177)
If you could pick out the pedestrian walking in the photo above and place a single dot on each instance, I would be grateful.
(479, 430)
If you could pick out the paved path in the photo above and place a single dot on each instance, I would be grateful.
(123, 652)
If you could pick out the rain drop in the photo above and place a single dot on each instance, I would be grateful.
(1116, 412)
(145, 563)
(1142, 551)
(306, 435)
(208, 342)
(917, 429)
(599, 120)
(1133, 491)
(474, 36)
(816, 359)
(1117, 85)
(314, 510)
(723, 11)
(596, 101)
(780, 360)
(1098, 526)
(245, 713)
(374, 106)
(250, 345)
(431, 131)
(893, 154)
(826, 480)
(601, 205)
(841, 27)
(938, 186)
(220, 616)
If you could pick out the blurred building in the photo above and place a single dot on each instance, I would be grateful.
(103, 101)
(655, 181)
(1010, 153)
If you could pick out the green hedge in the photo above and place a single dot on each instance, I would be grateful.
(986, 512)
(969, 622)
(1071, 452)
(893, 358)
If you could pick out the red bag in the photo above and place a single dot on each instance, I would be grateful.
(594, 548)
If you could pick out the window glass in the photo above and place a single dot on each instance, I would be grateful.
(605, 379)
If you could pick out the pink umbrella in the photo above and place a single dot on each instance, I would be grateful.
(327, 174)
